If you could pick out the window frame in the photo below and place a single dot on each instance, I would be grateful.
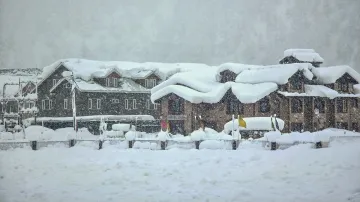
(66, 103)
(115, 82)
(55, 81)
(300, 106)
(98, 103)
(134, 103)
(148, 106)
(90, 103)
(127, 104)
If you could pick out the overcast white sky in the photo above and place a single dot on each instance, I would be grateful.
(39, 32)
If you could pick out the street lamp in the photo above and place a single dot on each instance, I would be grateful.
(70, 75)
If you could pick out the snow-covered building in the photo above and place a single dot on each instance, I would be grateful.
(305, 97)
(302, 56)
(103, 89)
(17, 95)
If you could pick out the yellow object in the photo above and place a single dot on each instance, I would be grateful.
(168, 126)
(242, 122)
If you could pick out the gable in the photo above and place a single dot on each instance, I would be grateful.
(113, 75)
(56, 74)
(346, 78)
(289, 60)
(227, 76)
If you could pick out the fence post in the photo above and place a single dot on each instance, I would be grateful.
(235, 144)
(131, 144)
(72, 143)
(100, 144)
(33, 145)
(318, 145)
(273, 145)
(197, 144)
(163, 145)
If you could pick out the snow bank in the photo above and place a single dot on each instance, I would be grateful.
(254, 123)
(197, 135)
(215, 144)
(145, 145)
(130, 135)
(163, 136)
(121, 127)
(272, 136)
(2, 128)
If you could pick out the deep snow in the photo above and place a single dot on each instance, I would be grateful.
(251, 174)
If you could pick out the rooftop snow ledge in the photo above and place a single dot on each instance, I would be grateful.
(251, 93)
(306, 55)
(328, 75)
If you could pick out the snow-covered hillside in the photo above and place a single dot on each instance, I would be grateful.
(200, 31)
(249, 174)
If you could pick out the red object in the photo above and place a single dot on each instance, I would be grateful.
(163, 124)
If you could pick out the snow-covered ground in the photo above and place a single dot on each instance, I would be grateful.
(251, 174)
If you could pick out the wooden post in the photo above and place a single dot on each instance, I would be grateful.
(131, 144)
(318, 145)
(33, 145)
(100, 144)
(273, 145)
(163, 145)
(197, 144)
(234, 145)
(72, 143)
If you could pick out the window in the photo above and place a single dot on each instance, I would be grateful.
(319, 104)
(67, 85)
(355, 126)
(29, 104)
(115, 82)
(298, 127)
(341, 105)
(55, 81)
(295, 85)
(126, 104)
(148, 104)
(175, 106)
(355, 103)
(98, 103)
(234, 107)
(296, 105)
(66, 103)
(134, 104)
(344, 87)
(90, 103)
(156, 105)
(114, 101)
(46, 104)
(150, 83)
(264, 105)
(342, 125)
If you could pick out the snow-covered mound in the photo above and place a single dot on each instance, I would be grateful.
(254, 123)
(130, 135)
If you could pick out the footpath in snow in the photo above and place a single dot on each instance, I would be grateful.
(251, 174)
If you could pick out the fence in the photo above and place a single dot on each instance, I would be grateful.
(100, 144)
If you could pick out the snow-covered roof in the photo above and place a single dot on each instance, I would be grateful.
(127, 85)
(251, 93)
(254, 123)
(278, 74)
(12, 90)
(318, 91)
(95, 118)
(328, 75)
(85, 69)
(305, 55)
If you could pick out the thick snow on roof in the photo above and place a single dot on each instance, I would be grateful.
(250, 93)
(357, 88)
(236, 67)
(278, 74)
(127, 85)
(254, 123)
(11, 90)
(328, 75)
(318, 91)
(86, 69)
(306, 55)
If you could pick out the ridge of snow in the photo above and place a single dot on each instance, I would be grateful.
(278, 74)
(328, 75)
(357, 88)
(87, 69)
(306, 55)
(251, 93)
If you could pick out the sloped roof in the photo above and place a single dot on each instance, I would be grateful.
(305, 55)
(328, 75)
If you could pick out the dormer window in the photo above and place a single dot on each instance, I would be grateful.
(344, 87)
(150, 83)
(111, 82)
(55, 81)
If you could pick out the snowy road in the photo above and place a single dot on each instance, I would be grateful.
(249, 174)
